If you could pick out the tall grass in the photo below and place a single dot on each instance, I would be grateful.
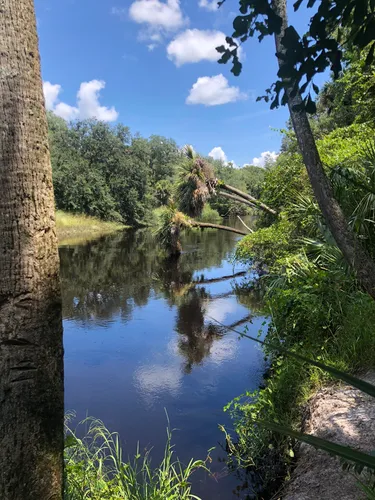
(77, 228)
(95, 469)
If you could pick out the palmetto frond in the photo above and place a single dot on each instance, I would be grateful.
(305, 212)
(325, 255)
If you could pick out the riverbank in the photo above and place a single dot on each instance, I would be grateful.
(291, 386)
(73, 229)
(344, 416)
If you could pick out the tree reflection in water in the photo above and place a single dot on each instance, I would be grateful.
(105, 279)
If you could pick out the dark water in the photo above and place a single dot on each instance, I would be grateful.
(139, 339)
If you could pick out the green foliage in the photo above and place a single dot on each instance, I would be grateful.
(344, 145)
(349, 99)
(106, 172)
(331, 27)
(284, 180)
(96, 470)
(267, 245)
(248, 179)
(163, 191)
(209, 214)
(317, 310)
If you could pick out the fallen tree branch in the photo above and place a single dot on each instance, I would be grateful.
(209, 225)
(237, 199)
(247, 197)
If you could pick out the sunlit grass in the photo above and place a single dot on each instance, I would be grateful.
(96, 469)
(79, 228)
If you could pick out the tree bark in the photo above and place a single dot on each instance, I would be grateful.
(217, 226)
(247, 197)
(346, 240)
(236, 199)
(31, 350)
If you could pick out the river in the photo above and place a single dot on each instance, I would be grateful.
(140, 339)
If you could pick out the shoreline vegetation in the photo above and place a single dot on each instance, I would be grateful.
(75, 229)
(316, 304)
(95, 467)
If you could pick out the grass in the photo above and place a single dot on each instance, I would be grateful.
(79, 228)
(95, 469)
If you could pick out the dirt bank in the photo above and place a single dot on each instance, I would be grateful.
(343, 415)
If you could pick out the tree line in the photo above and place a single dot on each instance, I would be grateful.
(108, 172)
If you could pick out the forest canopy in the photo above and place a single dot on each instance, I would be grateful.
(108, 172)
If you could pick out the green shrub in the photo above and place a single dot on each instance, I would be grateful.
(267, 245)
(209, 215)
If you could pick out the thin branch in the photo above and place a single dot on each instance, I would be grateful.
(247, 227)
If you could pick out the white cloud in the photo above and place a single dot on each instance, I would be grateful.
(220, 309)
(265, 158)
(51, 93)
(193, 45)
(213, 91)
(217, 153)
(159, 17)
(211, 5)
(155, 378)
(223, 350)
(88, 105)
(66, 111)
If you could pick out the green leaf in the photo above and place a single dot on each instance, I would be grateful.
(345, 377)
(370, 55)
(310, 105)
(221, 49)
(297, 5)
(338, 450)
(230, 41)
(70, 441)
(237, 66)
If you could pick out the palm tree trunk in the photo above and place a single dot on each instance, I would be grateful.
(353, 251)
(247, 197)
(236, 199)
(209, 225)
(31, 363)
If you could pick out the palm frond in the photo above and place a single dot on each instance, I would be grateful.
(193, 189)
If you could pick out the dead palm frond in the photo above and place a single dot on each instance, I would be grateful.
(168, 232)
(194, 187)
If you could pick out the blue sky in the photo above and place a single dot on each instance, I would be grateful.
(150, 64)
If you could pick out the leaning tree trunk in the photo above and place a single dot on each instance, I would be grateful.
(238, 193)
(209, 225)
(346, 240)
(31, 362)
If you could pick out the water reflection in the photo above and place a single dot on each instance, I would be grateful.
(140, 336)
